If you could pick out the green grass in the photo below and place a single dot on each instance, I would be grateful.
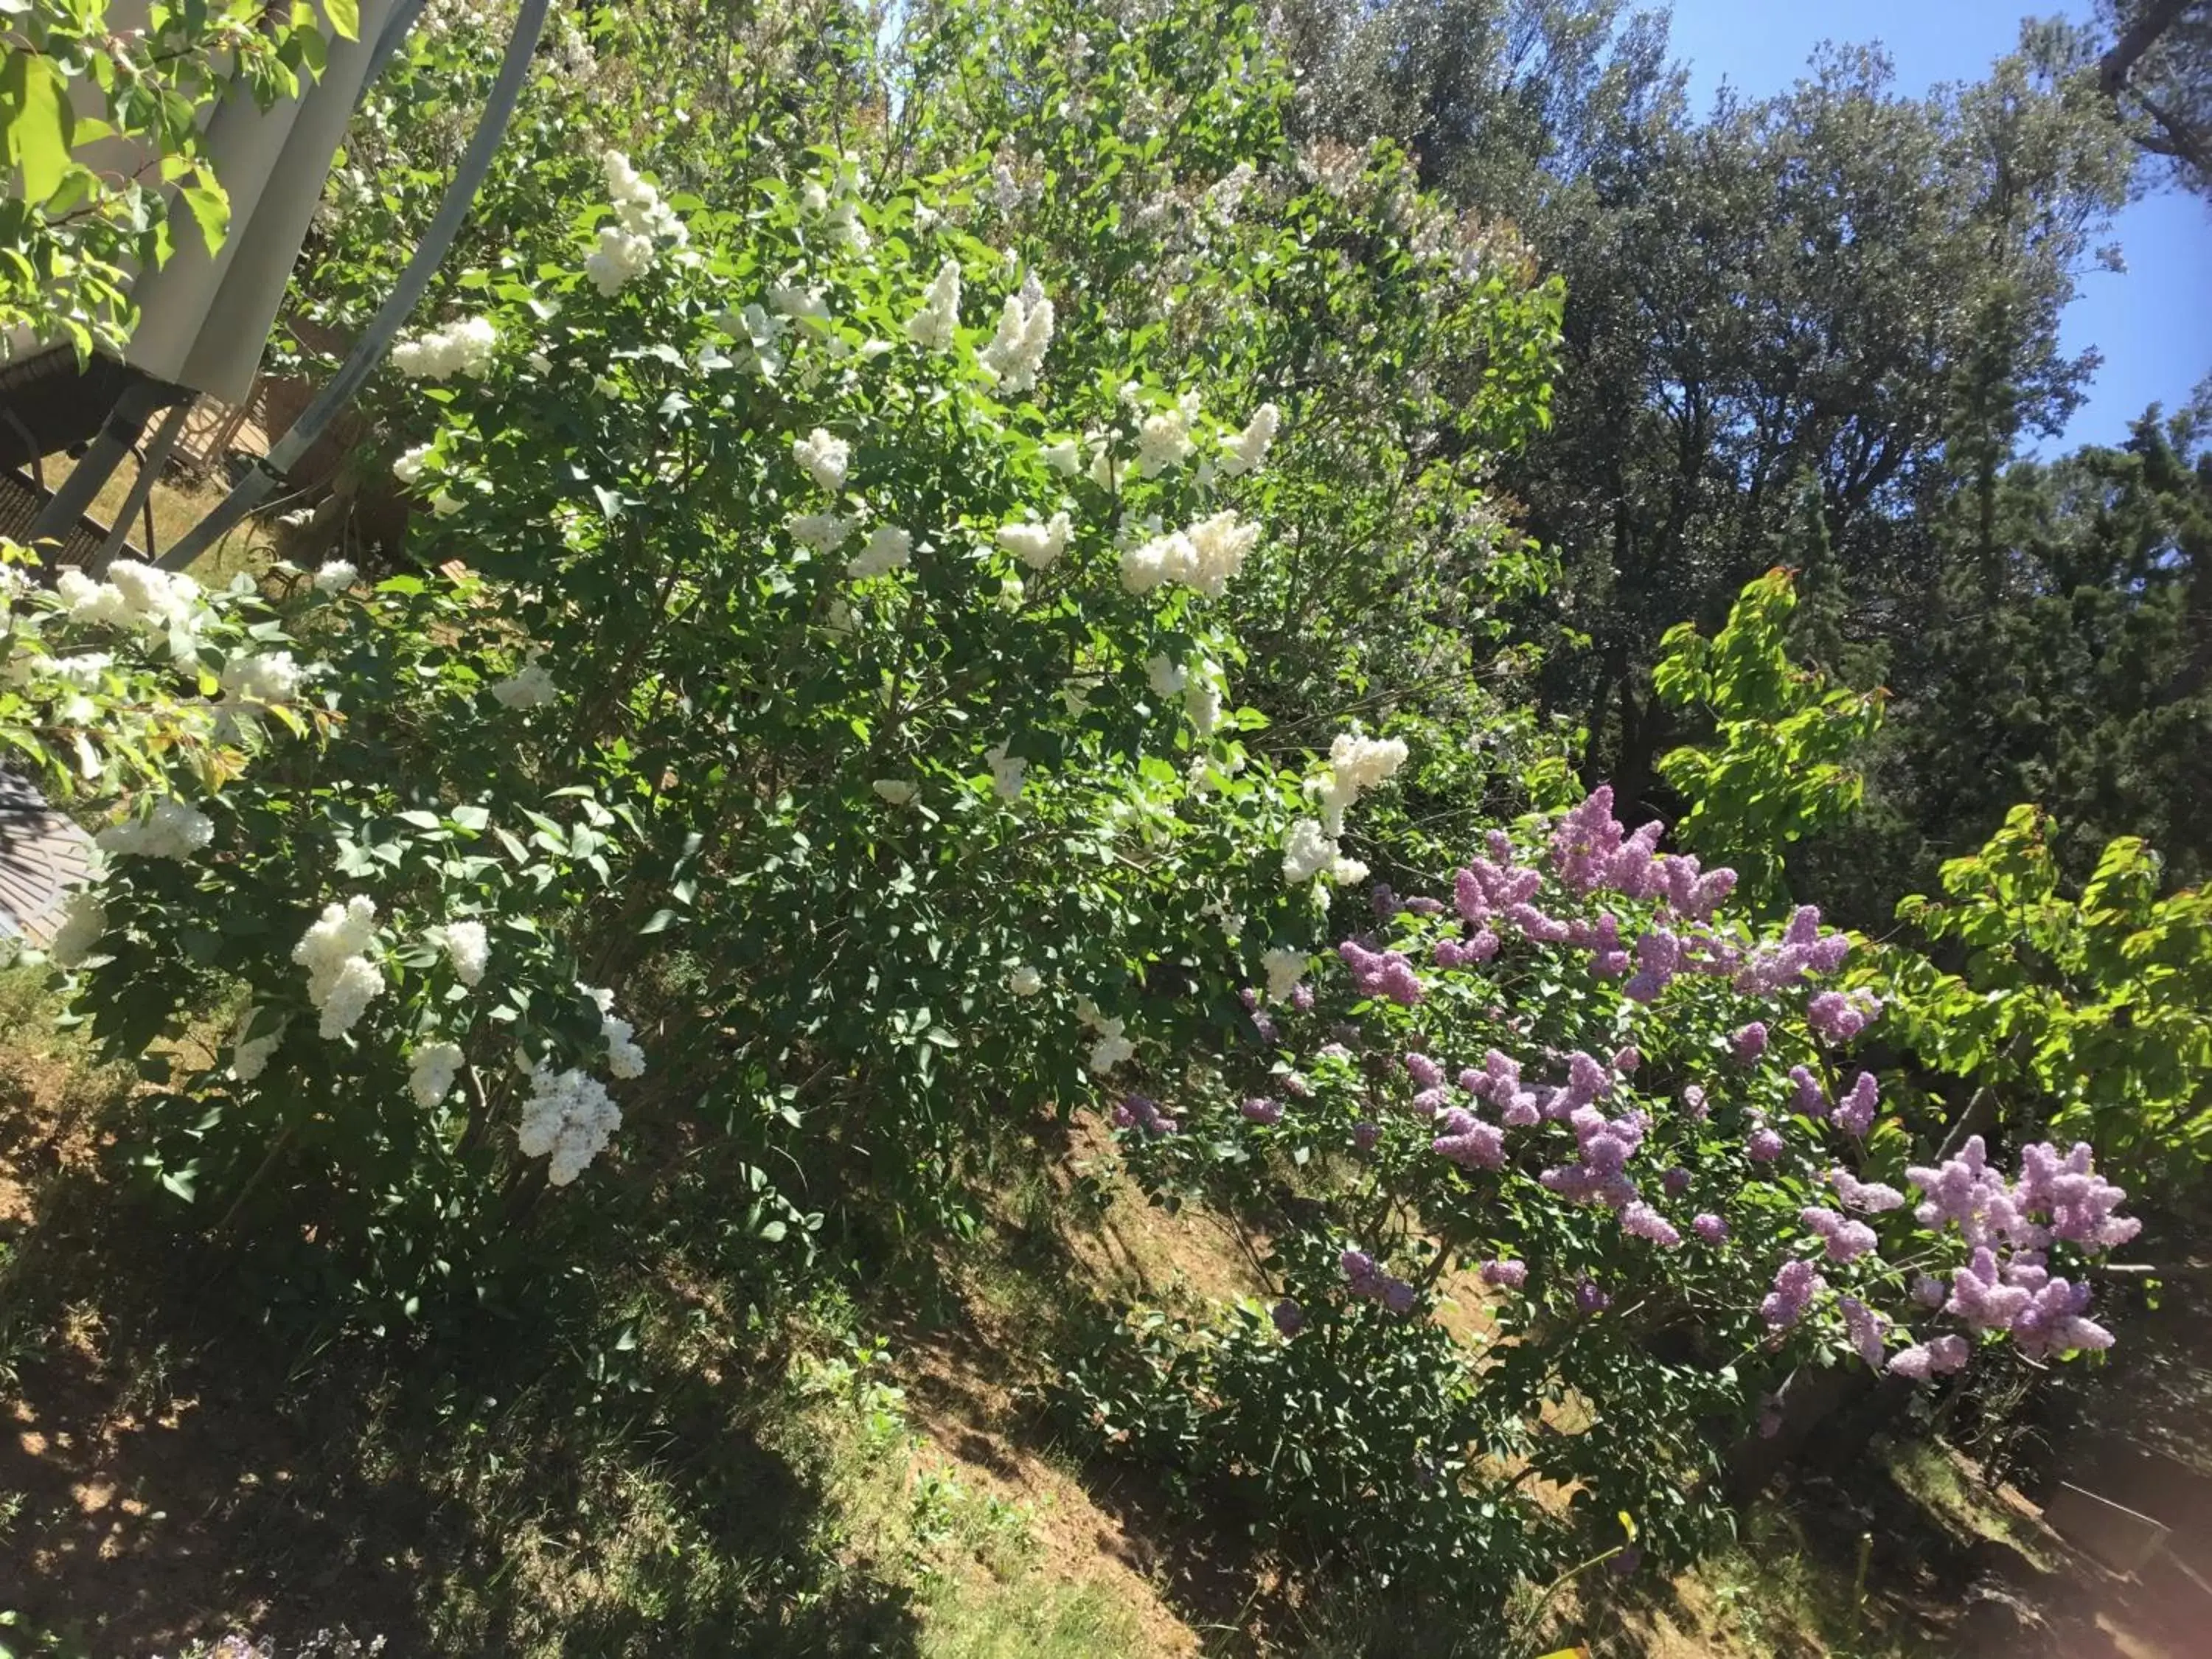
(1044, 1620)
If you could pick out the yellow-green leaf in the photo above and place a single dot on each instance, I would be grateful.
(38, 122)
(210, 208)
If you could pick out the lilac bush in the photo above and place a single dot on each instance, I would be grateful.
(1635, 1135)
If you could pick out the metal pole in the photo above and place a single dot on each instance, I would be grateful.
(150, 467)
(125, 422)
(395, 31)
(368, 352)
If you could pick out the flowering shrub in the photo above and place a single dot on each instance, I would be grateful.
(124, 689)
(840, 729)
(1623, 1130)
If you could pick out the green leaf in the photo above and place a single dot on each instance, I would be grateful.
(211, 207)
(38, 122)
(345, 18)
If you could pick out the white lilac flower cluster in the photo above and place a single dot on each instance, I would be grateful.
(1164, 440)
(431, 1072)
(464, 347)
(1246, 451)
(342, 978)
(72, 679)
(1064, 456)
(528, 687)
(1024, 980)
(138, 597)
(1204, 687)
(1016, 351)
(1202, 557)
(1356, 764)
(759, 339)
(84, 918)
(823, 459)
(840, 217)
(804, 306)
(826, 532)
(627, 247)
(1007, 771)
(937, 323)
(624, 1058)
(336, 576)
(250, 1056)
(888, 548)
(410, 466)
(467, 946)
(261, 679)
(567, 1120)
(1284, 968)
(171, 830)
(1037, 545)
(1112, 1047)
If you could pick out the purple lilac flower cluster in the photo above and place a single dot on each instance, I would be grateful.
(1506, 1274)
(1498, 1082)
(1136, 1112)
(1381, 973)
(1600, 1173)
(1496, 890)
(1368, 1281)
(1640, 1220)
(1469, 1142)
(1854, 1113)
(1846, 1240)
(1869, 1331)
(1836, 1017)
(1795, 1283)
(2006, 1284)
(1808, 1099)
(1871, 1196)
(1590, 849)
(2075, 1204)
(1261, 1110)
(1937, 1356)
(1802, 949)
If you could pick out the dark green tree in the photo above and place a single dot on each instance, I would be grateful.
(2069, 660)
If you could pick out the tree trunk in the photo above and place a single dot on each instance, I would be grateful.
(2138, 37)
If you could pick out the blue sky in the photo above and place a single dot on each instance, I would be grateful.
(2154, 323)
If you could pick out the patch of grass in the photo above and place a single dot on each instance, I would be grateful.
(179, 501)
(1775, 1594)
(1041, 1619)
